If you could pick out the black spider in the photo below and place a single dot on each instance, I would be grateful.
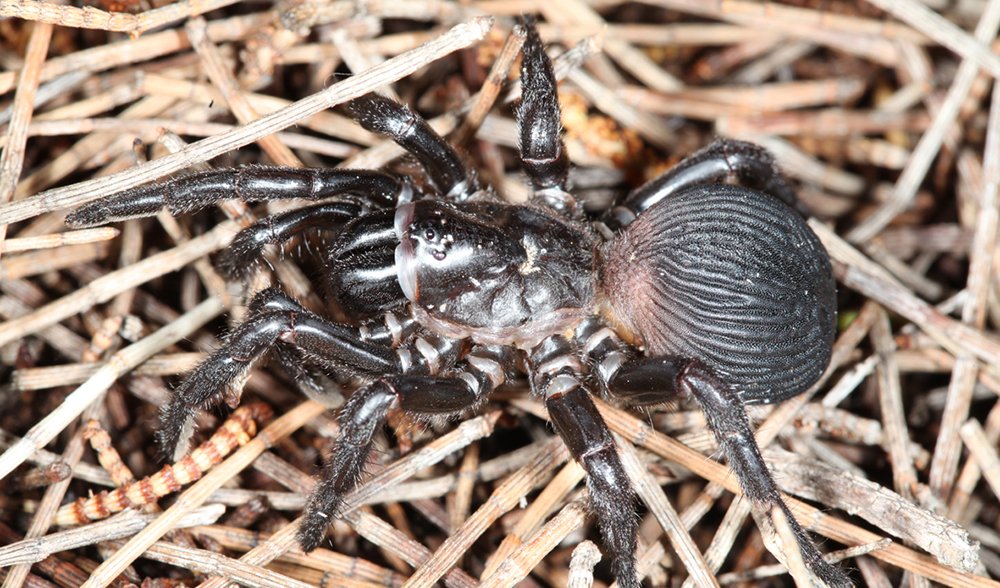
(688, 287)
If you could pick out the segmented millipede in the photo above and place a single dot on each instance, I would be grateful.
(238, 429)
(107, 455)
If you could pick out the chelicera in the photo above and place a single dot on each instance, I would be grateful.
(687, 287)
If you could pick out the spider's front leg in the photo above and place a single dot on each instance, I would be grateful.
(411, 132)
(247, 248)
(193, 192)
(365, 190)
(556, 375)
(543, 154)
(749, 163)
(640, 381)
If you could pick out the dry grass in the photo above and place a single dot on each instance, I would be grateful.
(879, 111)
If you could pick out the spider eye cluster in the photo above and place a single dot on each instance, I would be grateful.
(433, 235)
(445, 253)
(427, 242)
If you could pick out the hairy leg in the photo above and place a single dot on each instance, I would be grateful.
(274, 318)
(195, 191)
(640, 380)
(750, 164)
(543, 154)
(245, 252)
(443, 164)
(556, 376)
(366, 410)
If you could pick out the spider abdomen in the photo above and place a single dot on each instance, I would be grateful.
(732, 277)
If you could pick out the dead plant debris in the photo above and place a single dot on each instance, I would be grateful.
(880, 111)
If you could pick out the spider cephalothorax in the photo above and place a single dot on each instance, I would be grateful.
(687, 288)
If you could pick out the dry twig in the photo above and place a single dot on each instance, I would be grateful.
(876, 110)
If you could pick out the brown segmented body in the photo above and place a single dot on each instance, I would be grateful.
(238, 429)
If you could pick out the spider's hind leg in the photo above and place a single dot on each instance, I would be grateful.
(728, 420)
(557, 376)
(639, 380)
(752, 165)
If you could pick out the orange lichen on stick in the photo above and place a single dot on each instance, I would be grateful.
(238, 429)
(599, 135)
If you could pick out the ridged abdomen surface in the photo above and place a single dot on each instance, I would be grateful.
(730, 276)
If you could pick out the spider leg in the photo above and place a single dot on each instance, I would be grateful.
(543, 153)
(366, 411)
(728, 420)
(251, 184)
(408, 129)
(276, 319)
(360, 260)
(557, 376)
(639, 380)
(247, 247)
(749, 163)
(291, 360)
